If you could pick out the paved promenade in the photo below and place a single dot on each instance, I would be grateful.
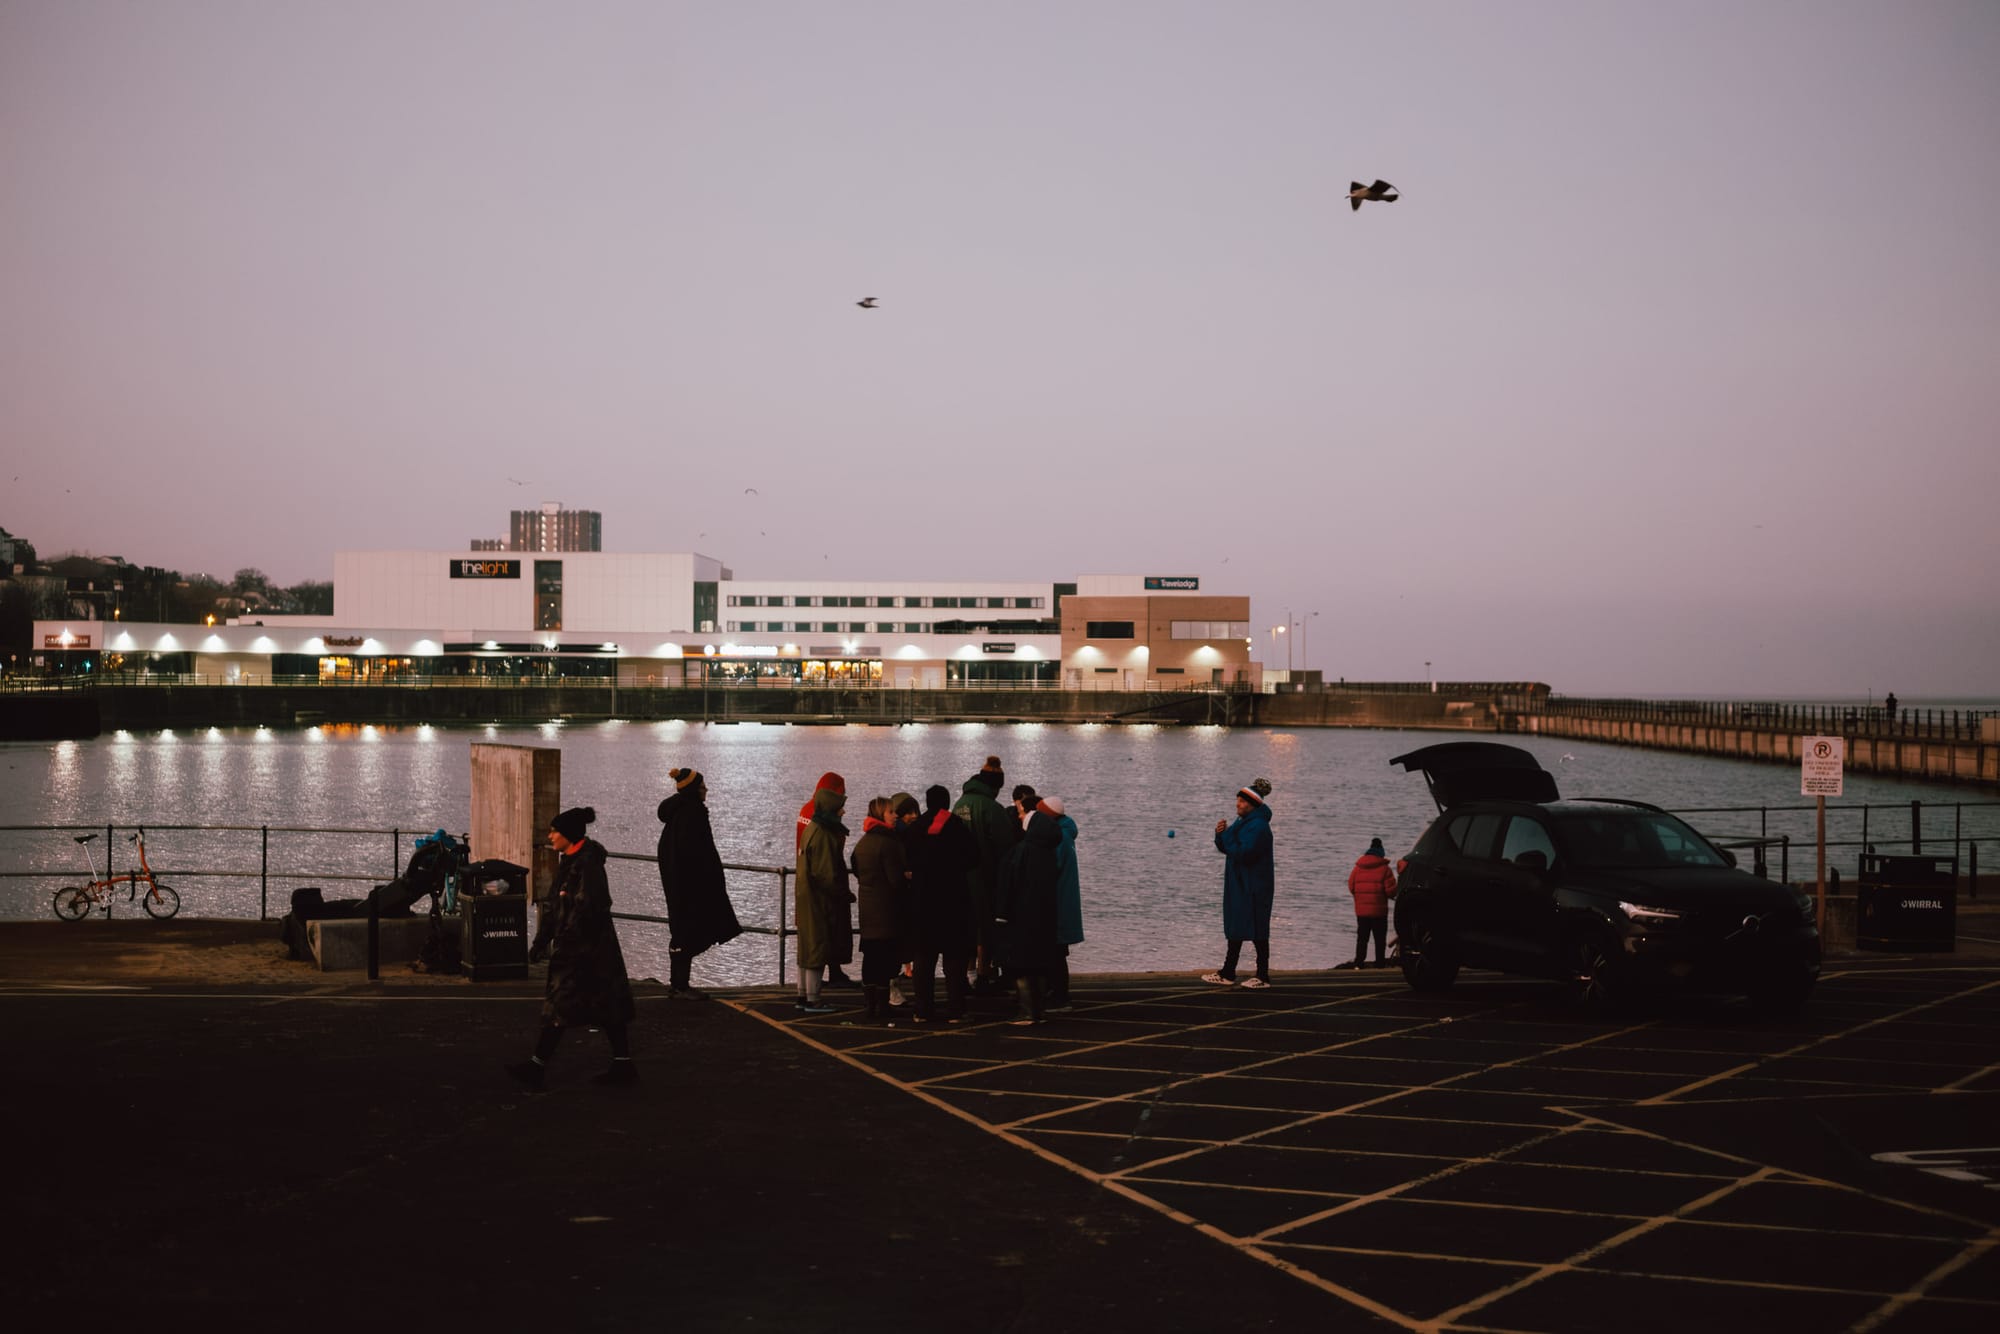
(201, 1130)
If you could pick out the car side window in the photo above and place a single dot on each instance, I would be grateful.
(1528, 844)
(1481, 831)
(1454, 831)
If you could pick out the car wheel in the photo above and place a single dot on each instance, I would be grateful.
(1429, 961)
(1601, 983)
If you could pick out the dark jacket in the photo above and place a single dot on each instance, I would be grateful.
(881, 879)
(1024, 909)
(942, 854)
(1248, 879)
(587, 983)
(820, 896)
(699, 913)
(1371, 882)
(993, 833)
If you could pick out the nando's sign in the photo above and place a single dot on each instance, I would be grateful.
(485, 569)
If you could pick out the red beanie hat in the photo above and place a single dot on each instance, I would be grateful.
(831, 782)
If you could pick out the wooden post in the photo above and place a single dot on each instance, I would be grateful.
(1820, 803)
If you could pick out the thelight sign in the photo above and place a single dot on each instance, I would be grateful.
(485, 569)
(1820, 766)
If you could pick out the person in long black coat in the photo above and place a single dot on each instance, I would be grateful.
(942, 854)
(699, 913)
(1024, 914)
(587, 985)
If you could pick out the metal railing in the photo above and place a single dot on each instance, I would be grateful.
(265, 877)
(1871, 828)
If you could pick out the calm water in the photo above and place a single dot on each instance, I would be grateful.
(1145, 798)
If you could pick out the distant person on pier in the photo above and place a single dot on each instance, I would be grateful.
(1249, 883)
(821, 900)
(828, 782)
(1372, 883)
(1889, 705)
(942, 856)
(881, 876)
(587, 985)
(994, 832)
(699, 913)
(1069, 905)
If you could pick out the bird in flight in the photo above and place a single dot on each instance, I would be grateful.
(751, 491)
(1381, 192)
(866, 303)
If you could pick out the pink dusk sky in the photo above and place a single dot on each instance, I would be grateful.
(1675, 370)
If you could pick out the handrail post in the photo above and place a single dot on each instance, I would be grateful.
(1916, 827)
(395, 851)
(264, 878)
(782, 898)
(374, 934)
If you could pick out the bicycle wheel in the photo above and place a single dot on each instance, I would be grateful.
(162, 902)
(73, 904)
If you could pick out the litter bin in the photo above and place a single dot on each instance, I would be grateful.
(1907, 905)
(494, 944)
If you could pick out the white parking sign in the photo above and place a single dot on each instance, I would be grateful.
(1821, 765)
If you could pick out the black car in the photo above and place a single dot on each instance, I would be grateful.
(1617, 897)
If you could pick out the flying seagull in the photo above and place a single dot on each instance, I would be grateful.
(1382, 192)
(866, 303)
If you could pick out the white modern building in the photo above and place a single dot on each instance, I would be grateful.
(679, 618)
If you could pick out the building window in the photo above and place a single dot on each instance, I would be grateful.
(548, 595)
(916, 602)
(1211, 629)
(944, 602)
(705, 612)
(1108, 630)
(833, 601)
(885, 602)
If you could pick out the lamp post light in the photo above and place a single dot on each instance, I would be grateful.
(1427, 676)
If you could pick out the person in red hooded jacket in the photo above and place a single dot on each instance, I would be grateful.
(828, 782)
(1372, 884)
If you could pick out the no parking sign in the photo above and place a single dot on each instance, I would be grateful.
(1821, 766)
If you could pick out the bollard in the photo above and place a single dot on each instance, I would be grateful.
(374, 934)
(1916, 828)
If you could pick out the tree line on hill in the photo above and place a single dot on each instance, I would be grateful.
(109, 588)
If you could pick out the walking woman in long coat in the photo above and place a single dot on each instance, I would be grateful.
(587, 986)
(1248, 884)
(699, 913)
(821, 898)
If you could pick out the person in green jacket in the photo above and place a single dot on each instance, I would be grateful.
(821, 897)
(994, 831)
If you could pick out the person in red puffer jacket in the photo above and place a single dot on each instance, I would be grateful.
(1372, 884)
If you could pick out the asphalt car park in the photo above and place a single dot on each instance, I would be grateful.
(1498, 1158)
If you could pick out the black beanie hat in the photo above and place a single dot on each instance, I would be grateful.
(571, 822)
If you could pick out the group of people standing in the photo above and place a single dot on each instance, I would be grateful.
(981, 889)
(984, 890)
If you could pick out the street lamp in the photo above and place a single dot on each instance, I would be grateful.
(1427, 676)
(1279, 630)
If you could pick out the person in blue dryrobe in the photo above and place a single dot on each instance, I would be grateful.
(1249, 883)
